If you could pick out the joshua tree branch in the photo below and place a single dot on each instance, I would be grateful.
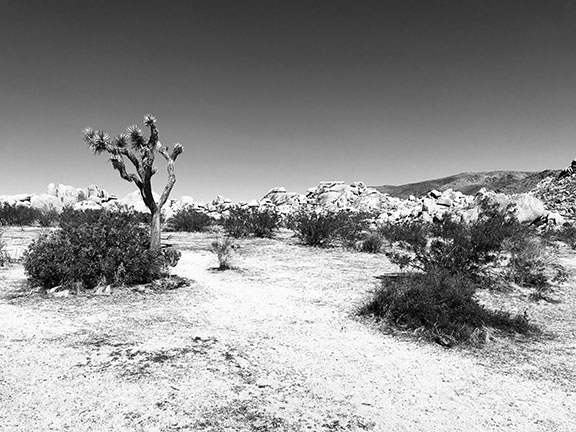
(119, 165)
(170, 161)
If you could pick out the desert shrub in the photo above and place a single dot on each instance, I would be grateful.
(223, 249)
(528, 262)
(3, 253)
(243, 222)
(452, 246)
(453, 260)
(90, 252)
(17, 215)
(316, 226)
(49, 217)
(171, 256)
(46, 260)
(189, 220)
(355, 230)
(73, 218)
(531, 264)
(565, 234)
(144, 217)
(440, 306)
(371, 242)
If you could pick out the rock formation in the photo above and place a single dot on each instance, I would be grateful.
(552, 201)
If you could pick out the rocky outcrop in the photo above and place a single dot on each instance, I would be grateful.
(59, 196)
(559, 195)
(552, 201)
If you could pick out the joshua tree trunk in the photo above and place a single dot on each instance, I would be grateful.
(142, 158)
(155, 232)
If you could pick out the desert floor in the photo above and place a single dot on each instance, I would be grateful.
(273, 344)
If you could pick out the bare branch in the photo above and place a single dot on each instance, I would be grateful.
(176, 151)
(170, 160)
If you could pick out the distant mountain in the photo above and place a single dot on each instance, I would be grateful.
(469, 183)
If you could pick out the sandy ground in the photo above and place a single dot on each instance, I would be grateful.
(272, 345)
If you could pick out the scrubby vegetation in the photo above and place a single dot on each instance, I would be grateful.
(93, 248)
(190, 220)
(244, 222)
(71, 217)
(223, 249)
(3, 253)
(565, 234)
(18, 215)
(316, 226)
(439, 305)
(450, 262)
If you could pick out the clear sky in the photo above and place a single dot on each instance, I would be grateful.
(287, 93)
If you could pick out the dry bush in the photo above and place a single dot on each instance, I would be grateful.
(440, 306)
(89, 252)
(190, 220)
(244, 222)
(453, 261)
(223, 248)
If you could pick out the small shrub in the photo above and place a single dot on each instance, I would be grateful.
(171, 256)
(223, 249)
(455, 247)
(190, 220)
(565, 234)
(49, 217)
(17, 215)
(112, 248)
(243, 222)
(355, 231)
(47, 258)
(316, 226)
(440, 306)
(528, 262)
(372, 242)
(74, 218)
(263, 222)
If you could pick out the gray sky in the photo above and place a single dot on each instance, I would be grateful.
(287, 93)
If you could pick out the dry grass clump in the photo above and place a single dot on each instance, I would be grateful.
(223, 248)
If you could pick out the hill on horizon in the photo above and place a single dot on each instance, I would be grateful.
(470, 183)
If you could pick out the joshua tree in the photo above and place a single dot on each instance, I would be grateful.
(133, 146)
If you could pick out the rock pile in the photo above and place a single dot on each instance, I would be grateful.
(552, 201)
(559, 194)
(60, 196)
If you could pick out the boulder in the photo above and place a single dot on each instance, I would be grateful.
(46, 202)
(528, 208)
(15, 199)
(87, 205)
(470, 215)
(429, 205)
(444, 201)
